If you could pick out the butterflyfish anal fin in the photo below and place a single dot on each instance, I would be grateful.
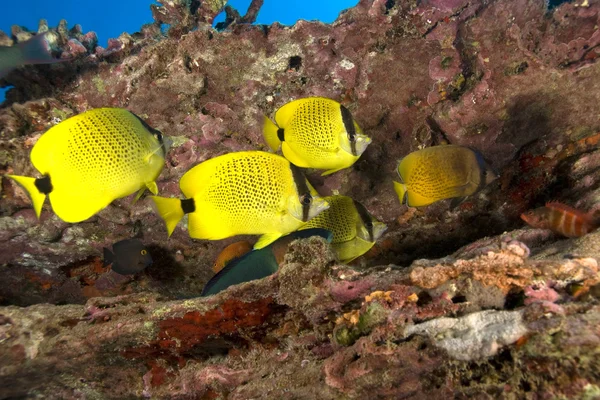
(266, 240)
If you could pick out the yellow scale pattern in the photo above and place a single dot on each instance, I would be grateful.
(264, 181)
(340, 218)
(441, 175)
(315, 127)
(105, 149)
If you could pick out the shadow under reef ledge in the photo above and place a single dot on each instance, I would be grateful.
(320, 327)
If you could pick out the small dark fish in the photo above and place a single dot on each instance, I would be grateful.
(33, 51)
(259, 263)
(128, 257)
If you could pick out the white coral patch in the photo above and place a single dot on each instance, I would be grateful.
(473, 336)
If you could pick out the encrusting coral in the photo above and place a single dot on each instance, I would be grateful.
(450, 302)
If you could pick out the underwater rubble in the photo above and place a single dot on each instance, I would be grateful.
(486, 325)
(451, 302)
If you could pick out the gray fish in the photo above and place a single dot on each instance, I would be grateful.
(128, 257)
(33, 51)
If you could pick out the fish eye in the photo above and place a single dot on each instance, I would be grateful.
(351, 137)
(306, 199)
(369, 224)
(144, 252)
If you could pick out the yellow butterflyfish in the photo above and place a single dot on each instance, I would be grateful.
(441, 172)
(354, 229)
(91, 159)
(247, 192)
(316, 132)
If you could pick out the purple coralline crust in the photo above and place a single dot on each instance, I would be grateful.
(514, 80)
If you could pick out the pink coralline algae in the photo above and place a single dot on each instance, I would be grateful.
(450, 303)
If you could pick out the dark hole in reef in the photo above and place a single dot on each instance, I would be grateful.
(555, 3)
(195, 4)
(422, 346)
(389, 4)
(187, 62)
(265, 29)
(295, 62)
(501, 360)
(214, 347)
(424, 299)
(526, 386)
(514, 299)
(459, 298)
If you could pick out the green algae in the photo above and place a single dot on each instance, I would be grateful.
(373, 315)
(99, 83)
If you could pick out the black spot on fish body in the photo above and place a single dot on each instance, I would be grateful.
(44, 185)
(188, 206)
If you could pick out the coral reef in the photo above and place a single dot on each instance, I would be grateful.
(450, 303)
(306, 332)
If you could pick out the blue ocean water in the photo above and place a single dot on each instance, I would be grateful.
(118, 16)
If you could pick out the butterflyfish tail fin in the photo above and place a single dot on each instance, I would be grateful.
(266, 240)
(36, 195)
(400, 189)
(170, 211)
(271, 133)
(108, 257)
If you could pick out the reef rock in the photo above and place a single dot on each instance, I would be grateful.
(450, 303)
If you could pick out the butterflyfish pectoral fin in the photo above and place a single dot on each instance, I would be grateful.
(271, 134)
(170, 211)
(36, 196)
(151, 186)
(266, 240)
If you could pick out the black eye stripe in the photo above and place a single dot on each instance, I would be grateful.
(155, 132)
(349, 125)
(366, 218)
(302, 189)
